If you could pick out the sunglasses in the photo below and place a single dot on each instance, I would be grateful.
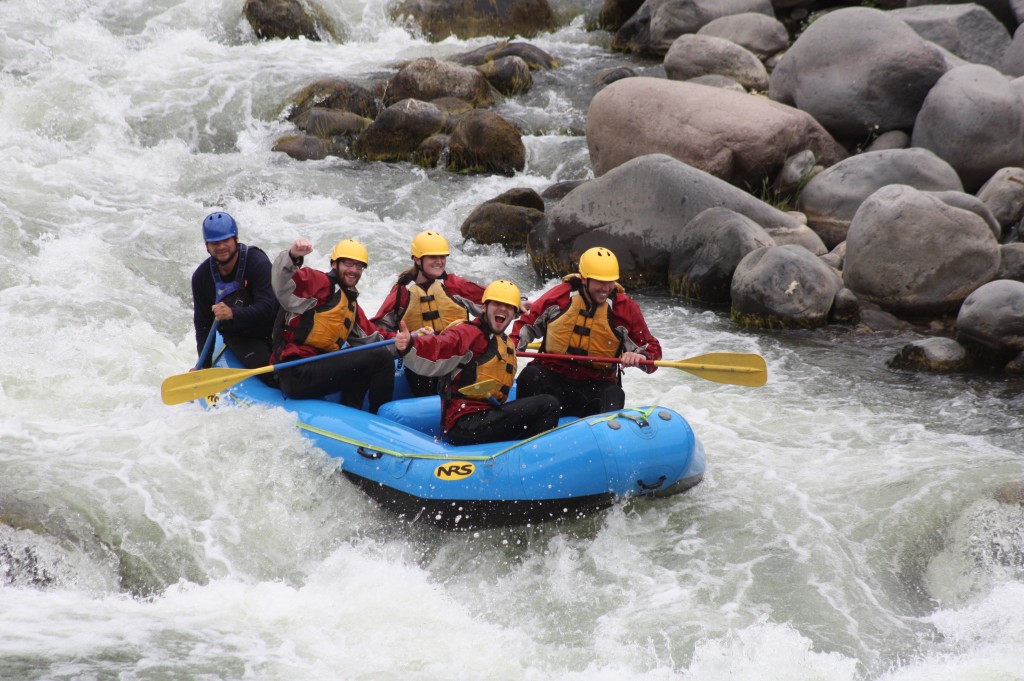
(345, 262)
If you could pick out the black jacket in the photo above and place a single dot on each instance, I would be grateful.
(256, 318)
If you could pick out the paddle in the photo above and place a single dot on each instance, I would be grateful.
(199, 384)
(207, 345)
(735, 368)
(480, 390)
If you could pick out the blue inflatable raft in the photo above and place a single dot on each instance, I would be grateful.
(398, 459)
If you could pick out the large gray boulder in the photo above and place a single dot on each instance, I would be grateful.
(858, 71)
(967, 30)
(507, 219)
(484, 142)
(833, 196)
(783, 287)
(637, 210)
(705, 253)
(800, 235)
(1004, 196)
(427, 79)
(738, 137)
(1009, 12)
(657, 23)
(334, 93)
(894, 139)
(398, 131)
(973, 119)
(760, 33)
(1012, 63)
(280, 19)
(329, 123)
(934, 355)
(303, 147)
(992, 318)
(972, 203)
(508, 75)
(693, 56)
(914, 255)
(1011, 261)
(536, 58)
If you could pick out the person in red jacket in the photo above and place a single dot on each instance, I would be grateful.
(478, 353)
(319, 314)
(427, 296)
(587, 314)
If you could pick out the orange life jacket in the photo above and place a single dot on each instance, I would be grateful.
(325, 327)
(497, 363)
(433, 307)
(583, 329)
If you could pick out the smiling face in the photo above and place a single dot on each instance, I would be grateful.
(599, 291)
(349, 271)
(498, 315)
(223, 252)
(431, 266)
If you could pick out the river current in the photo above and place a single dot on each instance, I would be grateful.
(848, 526)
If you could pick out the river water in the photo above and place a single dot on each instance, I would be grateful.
(847, 527)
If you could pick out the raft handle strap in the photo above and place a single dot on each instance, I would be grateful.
(652, 486)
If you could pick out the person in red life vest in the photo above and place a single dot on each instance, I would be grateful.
(232, 287)
(476, 353)
(427, 296)
(319, 314)
(587, 314)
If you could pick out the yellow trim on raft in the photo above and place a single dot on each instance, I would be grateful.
(644, 415)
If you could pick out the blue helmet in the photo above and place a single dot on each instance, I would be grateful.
(219, 226)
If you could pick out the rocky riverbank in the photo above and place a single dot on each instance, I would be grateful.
(802, 163)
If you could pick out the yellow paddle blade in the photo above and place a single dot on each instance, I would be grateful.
(480, 390)
(734, 368)
(196, 385)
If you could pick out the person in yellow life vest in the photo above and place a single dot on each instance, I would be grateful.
(478, 353)
(320, 314)
(587, 314)
(427, 296)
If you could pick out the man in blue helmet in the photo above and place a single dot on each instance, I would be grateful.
(232, 287)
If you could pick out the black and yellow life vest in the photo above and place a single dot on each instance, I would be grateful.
(325, 327)
(433, 307)
(583, 329)
(497, 363)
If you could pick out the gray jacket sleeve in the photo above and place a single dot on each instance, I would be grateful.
(281, 273)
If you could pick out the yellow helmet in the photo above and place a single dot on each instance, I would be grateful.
(599, 263)
(429, 243)
(353, 250)
(503, 291)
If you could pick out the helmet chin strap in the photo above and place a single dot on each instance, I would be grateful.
(585, 292)
(418, 264)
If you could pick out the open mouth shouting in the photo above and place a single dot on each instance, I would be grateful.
(499, 315)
